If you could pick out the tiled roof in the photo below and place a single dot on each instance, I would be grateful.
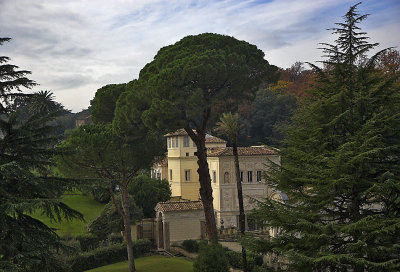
(209, 138)
(179, 206)
(179, 132)
(213, 139)
(242, 151)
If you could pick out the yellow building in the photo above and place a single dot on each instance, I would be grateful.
(180, 169)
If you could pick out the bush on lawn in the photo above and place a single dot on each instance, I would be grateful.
(235, 259)
(107, 255)
(88, 241)
(211, 258)
(191, 245)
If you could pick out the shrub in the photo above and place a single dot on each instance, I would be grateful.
(115, 238)
(88, 241)
(234, 258)
(191, 245)
(211, 258)
(106, 255)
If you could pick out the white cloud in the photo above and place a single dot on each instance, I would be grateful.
(75, 47)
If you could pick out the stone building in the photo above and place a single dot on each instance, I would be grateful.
(178, 221)
(179, 167)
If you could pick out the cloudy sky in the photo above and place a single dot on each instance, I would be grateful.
(75, 47)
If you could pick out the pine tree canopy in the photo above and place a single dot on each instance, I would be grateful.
(27, 144)
(341, 167)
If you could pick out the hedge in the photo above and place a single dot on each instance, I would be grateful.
(235, 259)
(88, 241)
(107, 255)
(191, 245)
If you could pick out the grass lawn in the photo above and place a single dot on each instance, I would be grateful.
(150, 264)
(84, 204)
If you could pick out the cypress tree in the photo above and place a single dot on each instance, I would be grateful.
(341, 167)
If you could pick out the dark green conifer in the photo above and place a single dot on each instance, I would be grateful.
(341, 169)
(27, 144)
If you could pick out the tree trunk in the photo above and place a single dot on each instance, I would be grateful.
(127, 226)
(242, 223)
(205, 189)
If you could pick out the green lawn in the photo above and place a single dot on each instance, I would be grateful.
(84, 204)
(150, 264)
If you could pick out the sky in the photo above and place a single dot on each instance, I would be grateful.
(75, 47)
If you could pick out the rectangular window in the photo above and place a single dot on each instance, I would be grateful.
(187, 175)
(214, 176)
(259, 175)
(176, 141)
(187, 154)
(169, 142)
(250, 176)
(194, 144)
(172, 142)
(241, 176)
(186, 141)
(170, 174)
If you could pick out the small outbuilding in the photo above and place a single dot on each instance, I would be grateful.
(178, 221)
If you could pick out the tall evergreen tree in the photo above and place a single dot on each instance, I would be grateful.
(188, 85)
(341, 169)
(27, 144)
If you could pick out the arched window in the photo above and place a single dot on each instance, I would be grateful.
(226, 177)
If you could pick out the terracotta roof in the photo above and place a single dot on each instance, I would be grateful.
(179, 206)
(162, 161)
(209, 138)
(213, 139)
(242, 151)
(179, 132)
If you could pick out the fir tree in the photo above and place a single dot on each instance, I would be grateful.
(26, 147)
(341, 169)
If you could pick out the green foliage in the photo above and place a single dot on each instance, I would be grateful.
(109, 221)
(235, 259)
(187, 86)
(199, 73)
(27, 144)
(191, 245)
(147, 192)
(88, 242)
(341, 168)
(106, 255)
(104, 102)
(211, 258)
(272, 111)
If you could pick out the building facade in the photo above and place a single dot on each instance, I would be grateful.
(179, 167)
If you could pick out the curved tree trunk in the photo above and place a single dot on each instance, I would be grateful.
(205, 183)
(242, 225)
(127, 227)
(206, 191)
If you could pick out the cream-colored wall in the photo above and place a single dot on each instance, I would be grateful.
(181, 151)
(226, 202)
(213, 145)
(184, 230)
(179, 186)
(184, 225)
